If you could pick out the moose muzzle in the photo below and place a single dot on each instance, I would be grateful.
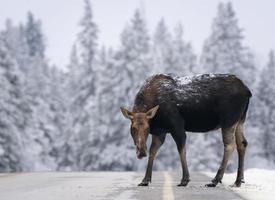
(141, 151)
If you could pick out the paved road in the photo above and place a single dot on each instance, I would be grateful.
(106, 186)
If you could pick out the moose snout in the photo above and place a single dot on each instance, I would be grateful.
(141, 152)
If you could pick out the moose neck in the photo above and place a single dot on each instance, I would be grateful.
(142, 104)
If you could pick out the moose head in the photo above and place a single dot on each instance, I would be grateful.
(140, 128)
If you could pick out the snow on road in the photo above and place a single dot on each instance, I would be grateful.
(69, 186)
(106, 186)
(259, 184)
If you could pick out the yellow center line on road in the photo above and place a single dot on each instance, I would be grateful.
(167, 187)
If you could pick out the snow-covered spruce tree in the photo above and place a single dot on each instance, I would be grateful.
(71, 141)
(264, 139)
(13, 37)
(16, 42)
(59, 116)
(134, 55)
(87, 47)
(109, 149)
(11, 119)
(224, 51)
(184, 59)
(34, 36)
(120, 78)
(73, 74)
(42, 133)
(83, 101)
(162, 49)
(171, 53)
(41, 128)
(88, 37)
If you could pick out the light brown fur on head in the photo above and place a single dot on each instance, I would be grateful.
(140, 128)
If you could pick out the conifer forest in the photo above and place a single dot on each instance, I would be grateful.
(70, 120)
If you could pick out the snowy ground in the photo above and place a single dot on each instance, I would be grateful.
(107, 186)
(259, 184)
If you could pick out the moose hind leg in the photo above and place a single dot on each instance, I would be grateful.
(157, 141)
(241, 147)
(228, 136)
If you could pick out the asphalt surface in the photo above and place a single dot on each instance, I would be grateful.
(107, 186)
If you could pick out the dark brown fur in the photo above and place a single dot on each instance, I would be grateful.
(176, 105)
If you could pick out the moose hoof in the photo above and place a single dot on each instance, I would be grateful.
(143, 184)
(184, 183)
(210, 185)
(214, 183)
(238, 183)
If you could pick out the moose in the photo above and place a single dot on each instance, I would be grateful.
(200, 103)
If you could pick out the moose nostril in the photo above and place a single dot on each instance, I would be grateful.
(143, 153)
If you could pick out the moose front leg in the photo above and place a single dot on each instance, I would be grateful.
(157, 141)
(180, 140)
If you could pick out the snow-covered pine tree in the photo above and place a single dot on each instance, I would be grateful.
(87, 38)
(42, 128)
(120, 77)
(14, 39)
(108, 148)
(171, 53)
(163, 49)
(11, 120)
(224, 51)
(16, 43)
(59, 116)
(87, 48)
(35, 104)
(134, 55)
(34, 37)
(184, 59)
(70, 148)
(265, 116)
(83, 105)
(74, 73)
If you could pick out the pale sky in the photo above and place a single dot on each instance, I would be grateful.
(60, 20)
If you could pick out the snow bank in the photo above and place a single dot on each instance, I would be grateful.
(259, 184)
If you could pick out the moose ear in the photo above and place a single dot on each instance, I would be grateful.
(126, 113)
(151, 113)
